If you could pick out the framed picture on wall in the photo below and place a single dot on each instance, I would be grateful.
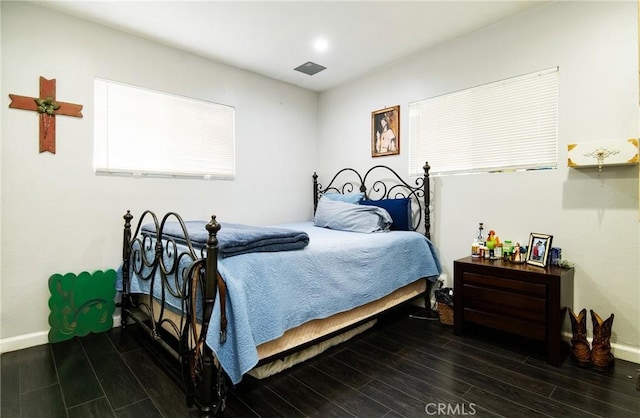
(385, 131)
(539, 249)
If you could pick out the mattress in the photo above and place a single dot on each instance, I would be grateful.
(311, 331)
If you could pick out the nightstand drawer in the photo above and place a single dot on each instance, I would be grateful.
(509, 285)
(527, 329)
(504, 303)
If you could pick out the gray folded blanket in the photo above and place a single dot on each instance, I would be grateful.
(236, 239)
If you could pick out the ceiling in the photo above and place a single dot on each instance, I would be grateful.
(272, 38)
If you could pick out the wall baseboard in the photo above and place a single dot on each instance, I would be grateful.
(625, 352)
(620, 351)
(23, 341)
(33, 339)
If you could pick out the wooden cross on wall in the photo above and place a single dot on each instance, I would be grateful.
(48, 108)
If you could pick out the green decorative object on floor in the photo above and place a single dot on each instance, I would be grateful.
(81, 304)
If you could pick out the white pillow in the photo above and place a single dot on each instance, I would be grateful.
(351, 217)
(344, 197)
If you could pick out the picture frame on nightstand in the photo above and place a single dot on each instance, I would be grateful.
(538, 249)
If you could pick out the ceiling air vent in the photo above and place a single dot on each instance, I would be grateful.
(310, 68)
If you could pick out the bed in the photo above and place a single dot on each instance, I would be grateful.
(228, 300)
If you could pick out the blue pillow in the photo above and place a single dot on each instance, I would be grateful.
(399, 209)
(346, 197)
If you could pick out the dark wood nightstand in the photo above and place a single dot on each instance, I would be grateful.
(520, 299)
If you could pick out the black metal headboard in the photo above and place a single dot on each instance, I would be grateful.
(382, 182)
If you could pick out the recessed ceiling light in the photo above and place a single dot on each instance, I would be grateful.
(320, 44)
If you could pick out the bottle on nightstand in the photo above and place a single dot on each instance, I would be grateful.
(498, 251)
(475, 248)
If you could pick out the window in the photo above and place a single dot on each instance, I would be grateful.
(145, 132)
(507, 125)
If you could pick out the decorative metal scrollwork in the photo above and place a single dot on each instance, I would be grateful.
(387, 184)
(600, 155)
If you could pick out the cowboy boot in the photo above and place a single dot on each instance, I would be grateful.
(601, 357)
(580, 350)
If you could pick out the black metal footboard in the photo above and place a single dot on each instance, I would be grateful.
(177, 315)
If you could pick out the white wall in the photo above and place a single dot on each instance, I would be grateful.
(592, 216)
(58, 217)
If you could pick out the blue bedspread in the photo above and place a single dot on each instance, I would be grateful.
(236, 239)
(269, 293)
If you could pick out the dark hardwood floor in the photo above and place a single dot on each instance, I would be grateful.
(403, 367)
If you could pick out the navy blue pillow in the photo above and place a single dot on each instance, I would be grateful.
(399, 209)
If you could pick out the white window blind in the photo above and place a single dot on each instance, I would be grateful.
(505, 125)
(141, 131)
